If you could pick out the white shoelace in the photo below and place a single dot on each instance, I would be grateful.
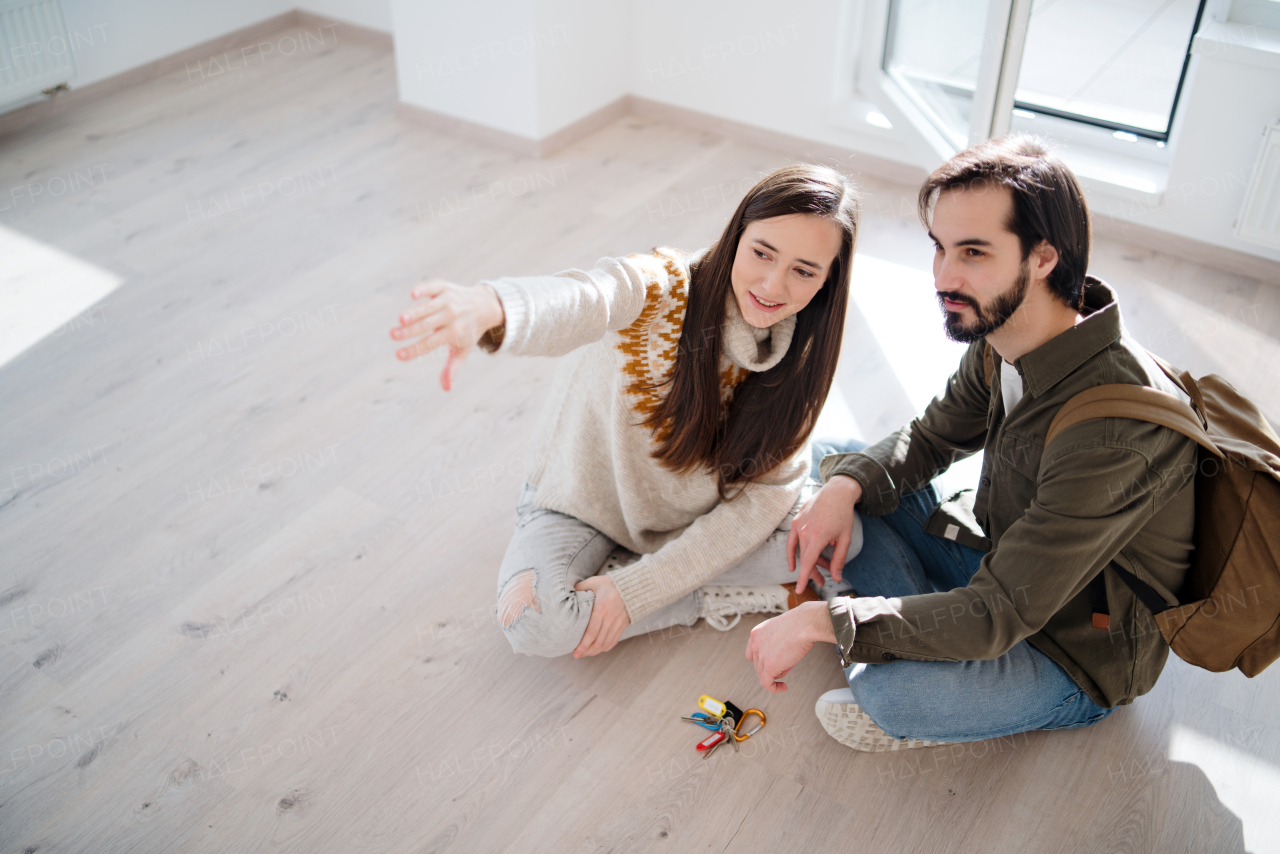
(721, 602)
(715, 614)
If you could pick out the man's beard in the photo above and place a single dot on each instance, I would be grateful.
(988, 319)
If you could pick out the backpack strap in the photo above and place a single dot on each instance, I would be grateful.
(1124, 400)
(1098, 602)
(1184, 381)
(1145, 592)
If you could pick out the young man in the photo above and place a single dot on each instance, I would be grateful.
(971, 617)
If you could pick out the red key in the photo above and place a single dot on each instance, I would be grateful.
(711, 741)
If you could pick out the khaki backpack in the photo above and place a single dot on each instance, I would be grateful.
(1229, 609)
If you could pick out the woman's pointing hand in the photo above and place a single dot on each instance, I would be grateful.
(451, 315)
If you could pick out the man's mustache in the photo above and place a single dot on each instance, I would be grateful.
(957, 297)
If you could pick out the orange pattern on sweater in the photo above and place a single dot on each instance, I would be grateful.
(651, 343)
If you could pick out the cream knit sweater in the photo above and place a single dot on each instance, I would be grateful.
(617, 326)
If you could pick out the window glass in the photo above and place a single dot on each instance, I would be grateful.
(932, 50)
(1115, 63)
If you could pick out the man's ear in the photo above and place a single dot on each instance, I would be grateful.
(1044, 258)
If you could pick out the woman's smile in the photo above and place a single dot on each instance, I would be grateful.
(764, 305)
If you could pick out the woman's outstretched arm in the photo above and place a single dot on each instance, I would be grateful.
(539, 315)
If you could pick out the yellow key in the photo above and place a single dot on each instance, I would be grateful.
(711, 705)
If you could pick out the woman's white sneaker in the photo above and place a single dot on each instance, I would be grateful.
(721, 601)
(845, 721)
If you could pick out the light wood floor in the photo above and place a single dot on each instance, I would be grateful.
(254, 612)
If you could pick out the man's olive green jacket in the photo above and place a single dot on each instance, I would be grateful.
(1110, 490)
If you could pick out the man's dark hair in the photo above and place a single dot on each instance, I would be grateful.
(1048, 203)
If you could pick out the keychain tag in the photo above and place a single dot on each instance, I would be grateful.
(712, 705)
(711, 741)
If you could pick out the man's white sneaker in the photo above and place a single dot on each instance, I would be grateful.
(722, 601)
(845, 721)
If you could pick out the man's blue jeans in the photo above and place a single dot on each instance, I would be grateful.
(950, 701)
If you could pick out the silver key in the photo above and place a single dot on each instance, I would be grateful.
(712, 749)
(726, 727)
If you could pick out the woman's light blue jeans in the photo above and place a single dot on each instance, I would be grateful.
(949, 701)
(542, 614)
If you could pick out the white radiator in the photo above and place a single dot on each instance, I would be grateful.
(35, 50)
(1259, 219)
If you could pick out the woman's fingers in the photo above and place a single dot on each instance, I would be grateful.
(429, 288)
(609, 618)
(605, 638)
(610, 640)
(589, 636)
(426, 326)
(595, 625)
(451, 365)
(422, 345)
(412, 320)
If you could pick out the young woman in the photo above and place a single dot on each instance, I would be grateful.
(674, 448)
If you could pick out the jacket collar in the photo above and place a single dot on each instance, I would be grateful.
(1054, 360)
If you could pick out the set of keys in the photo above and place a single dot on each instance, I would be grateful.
(725, 720)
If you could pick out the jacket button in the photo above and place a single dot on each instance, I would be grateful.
(986, 481)
(888, 656)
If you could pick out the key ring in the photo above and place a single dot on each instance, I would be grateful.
(758, 727)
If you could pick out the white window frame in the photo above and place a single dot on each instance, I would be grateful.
(1133, 171)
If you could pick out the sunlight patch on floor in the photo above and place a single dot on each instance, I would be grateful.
(45, 291)
(1246, 785)
(836, 419)
(904, 316)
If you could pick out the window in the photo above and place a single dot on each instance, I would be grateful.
(1114, 64)
(932, 50)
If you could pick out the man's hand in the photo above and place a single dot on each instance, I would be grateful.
(824, 520)
(609, 617)
(452, 315)
(777, 645)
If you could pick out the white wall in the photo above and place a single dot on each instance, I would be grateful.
(111, 36)
(525, 67)
(582, 65)
(782, 67)
(1227, 102)
(370, 14)
(471, 61)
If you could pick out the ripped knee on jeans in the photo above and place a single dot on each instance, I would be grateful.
(520, 593)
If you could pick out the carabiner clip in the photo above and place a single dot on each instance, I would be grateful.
(758, 726)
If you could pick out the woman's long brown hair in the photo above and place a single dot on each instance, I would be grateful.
(772, 412)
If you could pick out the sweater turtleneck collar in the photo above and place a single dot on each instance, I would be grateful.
(749, 347)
